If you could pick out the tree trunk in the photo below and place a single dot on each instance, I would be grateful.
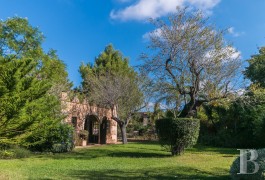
(184, 113)
(190, 109)
(122, 124)
(177, 150)
(122, 127)
(123, 133)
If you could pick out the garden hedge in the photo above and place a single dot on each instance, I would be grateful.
(175, 134)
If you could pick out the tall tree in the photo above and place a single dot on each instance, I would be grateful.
(111, 82)
(255, 70)
(23, 101)
(189, 62)
(20, 40)
(29, 84)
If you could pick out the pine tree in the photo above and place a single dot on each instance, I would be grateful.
(111, 82)
(30, 85)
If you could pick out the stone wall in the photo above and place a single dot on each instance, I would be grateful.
(81, 110)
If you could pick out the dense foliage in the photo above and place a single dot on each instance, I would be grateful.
(177, 134)
(58, 138)
(12, 152)
(30, 85)
(239, 123)
(255, 70)
(109, 61)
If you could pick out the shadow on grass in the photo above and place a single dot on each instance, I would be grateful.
(134, 150)
(206, 149)
(196, 149)
(154, 173)
(139, 155)
(120, 152)
(228, 152)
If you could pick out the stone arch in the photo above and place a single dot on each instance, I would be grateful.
(92, 125)
(79, 113)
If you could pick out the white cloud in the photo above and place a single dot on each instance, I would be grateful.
(156, 32)
(204, 4)
(232, 31)
(144, 9)
(235, 54)
(229, 53)
(241, 92)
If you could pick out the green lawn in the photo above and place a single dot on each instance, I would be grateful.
(131, 161)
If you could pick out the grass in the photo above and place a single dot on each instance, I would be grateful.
(131, 161)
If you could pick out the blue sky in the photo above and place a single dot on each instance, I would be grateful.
(80, 29)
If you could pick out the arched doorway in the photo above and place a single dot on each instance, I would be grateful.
(92, 126)
(97, 132)
(103, 131)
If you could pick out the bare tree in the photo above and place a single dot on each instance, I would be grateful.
(189, 62)
(120, 93)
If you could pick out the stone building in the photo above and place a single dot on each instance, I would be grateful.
(85, 116)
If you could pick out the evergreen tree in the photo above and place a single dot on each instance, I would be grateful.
(111, 82)
(111, 62)
(30, 85)
(256, 69)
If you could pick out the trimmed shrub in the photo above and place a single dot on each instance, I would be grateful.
(235, 168)
(62, 139)
(177, 134)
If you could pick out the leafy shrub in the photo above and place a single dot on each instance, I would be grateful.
(59, 134)
(143, 130)
(21, 152)
(14, 152)
(59, 148)
(83, 134)
(230, 124)
(7, 154)
(177, 134)
(235, 168)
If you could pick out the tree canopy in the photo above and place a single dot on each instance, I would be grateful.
(189, 62)
(111, 82)
(255, 70)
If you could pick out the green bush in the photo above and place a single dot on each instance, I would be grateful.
(235, 168)
(239, 123)
(21, 152)
(14, 152)
(59, 148)
(143, 130)
(7, 154)
(177, 134)
(60, 134)
(83, 134)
